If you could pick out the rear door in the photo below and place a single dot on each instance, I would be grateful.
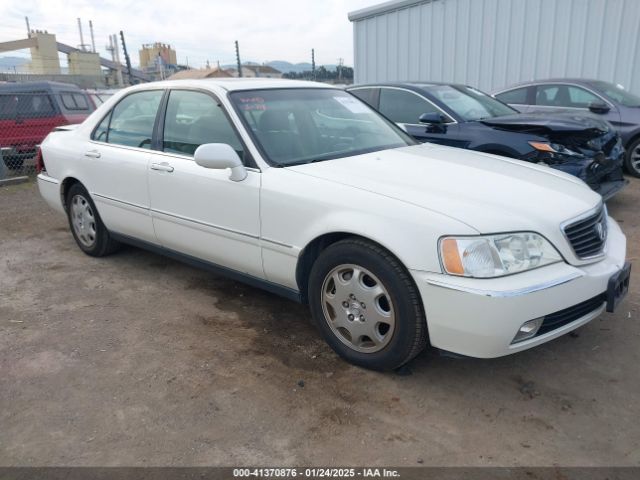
(199, 211)
(117, 159)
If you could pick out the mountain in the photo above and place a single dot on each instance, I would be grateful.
(7, 63)
(286, 67)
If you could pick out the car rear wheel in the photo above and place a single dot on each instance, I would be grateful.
(632, 158)
(366, 305)
(86, 226)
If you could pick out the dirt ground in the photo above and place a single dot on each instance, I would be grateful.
(135, 359)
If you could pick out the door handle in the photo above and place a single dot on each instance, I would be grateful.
(92, 154)
(162, 167)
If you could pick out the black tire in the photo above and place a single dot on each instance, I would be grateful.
(409, 335)
(633, 149)
(102, 243)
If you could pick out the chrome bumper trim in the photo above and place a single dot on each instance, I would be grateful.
(508, 293)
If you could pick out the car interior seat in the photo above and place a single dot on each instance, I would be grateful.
(277, 136)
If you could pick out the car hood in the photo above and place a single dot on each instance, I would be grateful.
(543, 123)
(486, 192)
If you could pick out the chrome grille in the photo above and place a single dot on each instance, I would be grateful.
(588, 235)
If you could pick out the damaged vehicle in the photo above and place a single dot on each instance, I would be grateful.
(461, 116)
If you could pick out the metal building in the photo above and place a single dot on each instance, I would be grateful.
(494, 43)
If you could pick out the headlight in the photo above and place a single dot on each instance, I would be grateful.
(553, 148)
(496, 255)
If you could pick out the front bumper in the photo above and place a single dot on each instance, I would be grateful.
(480, 317)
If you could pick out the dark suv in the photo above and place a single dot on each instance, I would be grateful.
(30, 110)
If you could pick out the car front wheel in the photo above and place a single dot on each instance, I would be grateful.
(366, 305)
(632, 158)
(86, 226)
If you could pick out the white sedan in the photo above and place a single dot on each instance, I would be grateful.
(304, 190)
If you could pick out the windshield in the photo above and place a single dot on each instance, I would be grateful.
(616, 93)
(303, 125)
(469, 103)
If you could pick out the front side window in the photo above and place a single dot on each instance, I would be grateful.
(566, 96)
(193, 119)
(580, 98)
(302, 125)
(34, 105)
(469, 103)
(132, 120)
(402, 106)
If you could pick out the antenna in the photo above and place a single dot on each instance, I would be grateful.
(26, 19)
(238, 59)
(93, 40)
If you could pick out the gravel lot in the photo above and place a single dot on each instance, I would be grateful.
(135, 359)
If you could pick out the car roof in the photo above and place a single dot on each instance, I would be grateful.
(235, 84)
(543, 81)
(417, 84)
(33, 86)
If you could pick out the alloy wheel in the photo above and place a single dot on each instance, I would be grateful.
(358, 308)
(83, 221)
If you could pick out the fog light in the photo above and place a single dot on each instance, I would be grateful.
(528, 330)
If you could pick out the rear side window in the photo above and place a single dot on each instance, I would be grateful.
(193, 119)
(403, 106)
(517, 96)
(100, 133)
(74, 101)
(131, 121)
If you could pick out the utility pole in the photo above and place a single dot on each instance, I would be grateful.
(238, 60)
(313, 64)
(340, 64)
(126, 57)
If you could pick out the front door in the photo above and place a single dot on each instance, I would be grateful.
(405, 107)
(199, 211)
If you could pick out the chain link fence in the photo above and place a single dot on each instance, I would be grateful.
(28, 112)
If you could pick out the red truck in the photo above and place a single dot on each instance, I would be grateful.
(30, 110)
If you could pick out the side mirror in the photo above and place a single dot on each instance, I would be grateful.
(599, 107)
(219, 156)
(432, 118)
(435, 122)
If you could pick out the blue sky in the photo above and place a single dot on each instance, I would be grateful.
(198, 30)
